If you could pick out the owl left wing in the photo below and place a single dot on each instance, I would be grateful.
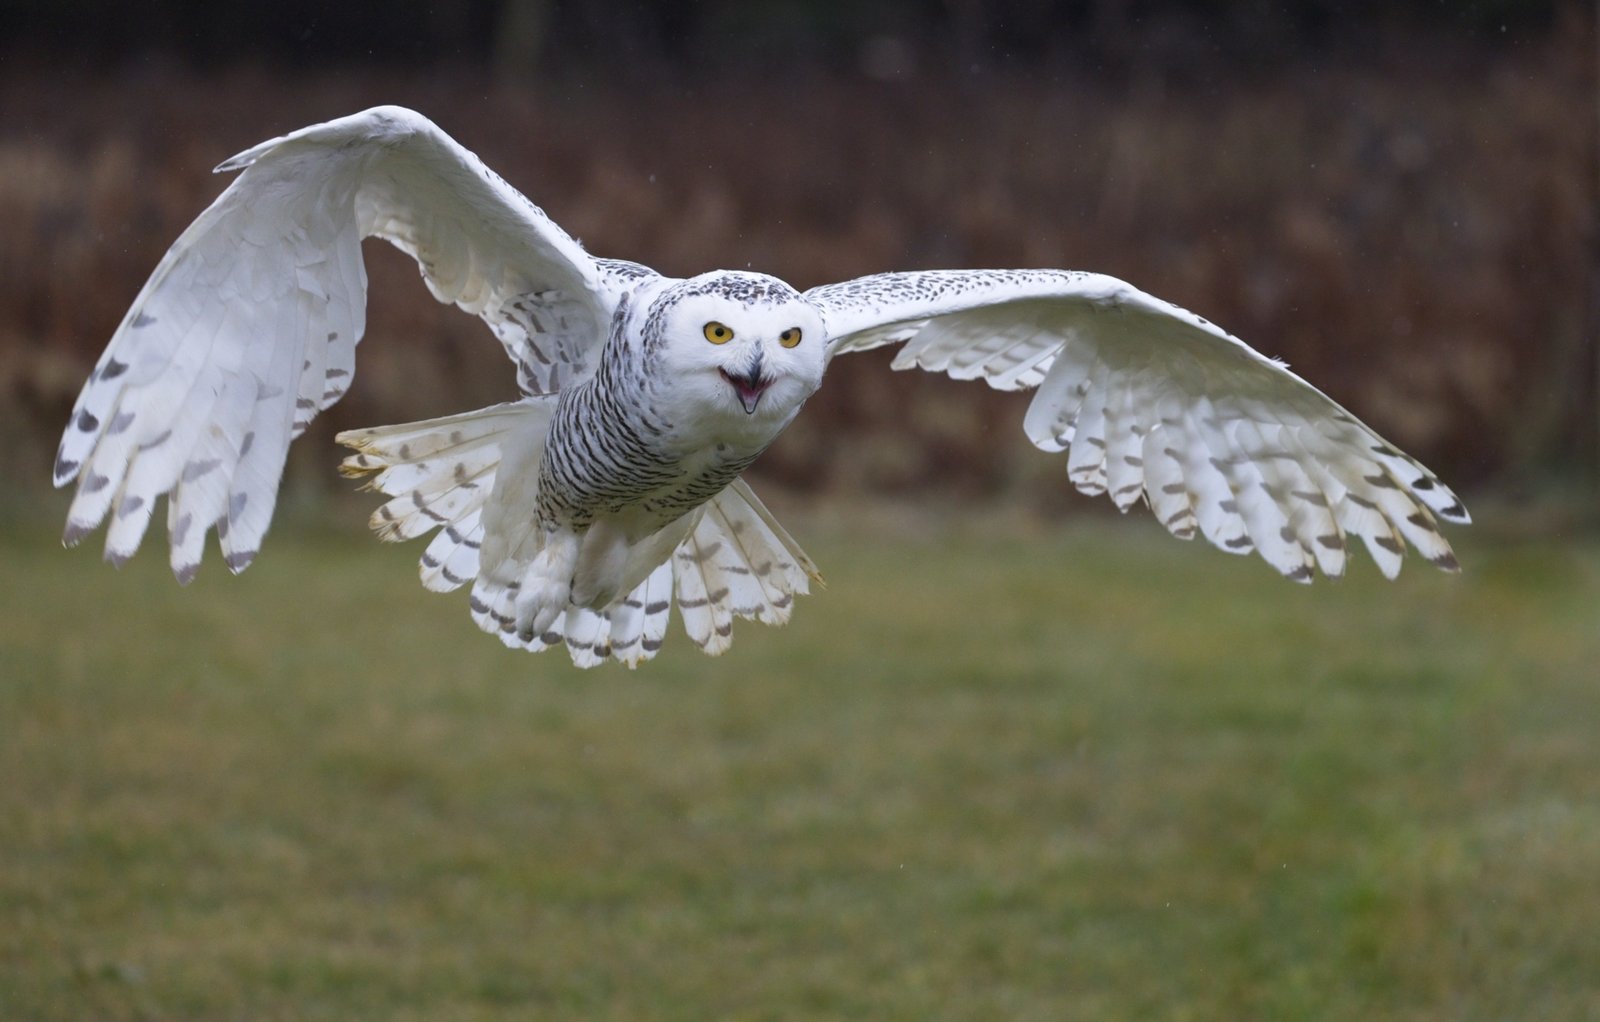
(1150, 400)
(248, 327)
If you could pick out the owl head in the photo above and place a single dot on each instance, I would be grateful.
(744, 348)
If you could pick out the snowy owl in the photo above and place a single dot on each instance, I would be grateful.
(581, 513)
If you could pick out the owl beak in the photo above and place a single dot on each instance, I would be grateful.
(748, 385)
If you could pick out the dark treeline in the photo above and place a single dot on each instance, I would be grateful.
(537, 37)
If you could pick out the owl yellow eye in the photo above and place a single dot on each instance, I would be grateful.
(716, 333)
(790, 337)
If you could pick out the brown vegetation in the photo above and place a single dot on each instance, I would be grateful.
(1416, 238)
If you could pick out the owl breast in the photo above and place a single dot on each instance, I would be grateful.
(610, 455)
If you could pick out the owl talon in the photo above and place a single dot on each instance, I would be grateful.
(546, 587)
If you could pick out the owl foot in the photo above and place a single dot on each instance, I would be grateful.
(546, 587)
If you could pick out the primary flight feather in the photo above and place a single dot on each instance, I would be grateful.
(582, 513)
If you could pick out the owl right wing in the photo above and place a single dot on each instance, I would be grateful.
(1150, 401)
(248, 326)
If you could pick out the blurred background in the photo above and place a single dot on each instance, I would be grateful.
(1396, 198)
(1019, 760)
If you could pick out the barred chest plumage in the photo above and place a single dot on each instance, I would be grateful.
(640, 442)
(609, 453)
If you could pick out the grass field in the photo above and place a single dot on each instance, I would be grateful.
(1076, 774)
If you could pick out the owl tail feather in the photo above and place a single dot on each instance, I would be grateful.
(438, 473)
(725, 560)
(728, 559)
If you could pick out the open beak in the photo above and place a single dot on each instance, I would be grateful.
(749, 384)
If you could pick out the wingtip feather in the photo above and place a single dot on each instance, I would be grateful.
(239, 560)
(66, 470)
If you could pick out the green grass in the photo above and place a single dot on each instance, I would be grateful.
(1080, 774)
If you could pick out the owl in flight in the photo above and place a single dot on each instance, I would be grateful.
(581, 513)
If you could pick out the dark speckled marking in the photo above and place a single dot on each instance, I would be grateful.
(1421, 521)
(195, 469)
(143, 320)
(87, 422)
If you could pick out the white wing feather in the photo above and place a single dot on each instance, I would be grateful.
(249, 324)
(1150, 400)
(737, 562)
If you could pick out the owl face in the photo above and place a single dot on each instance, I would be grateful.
(742, 347)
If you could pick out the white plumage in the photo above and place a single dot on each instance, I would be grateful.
(584, 512)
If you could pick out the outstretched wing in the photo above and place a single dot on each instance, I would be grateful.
(1150, 400)
(249, 324)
